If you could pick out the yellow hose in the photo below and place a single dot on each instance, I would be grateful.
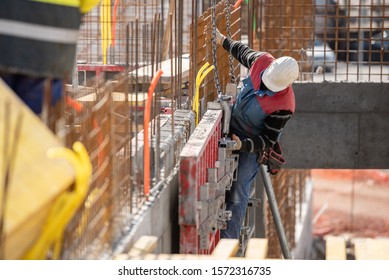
(66, 204)
(105, 24)
(201, 74)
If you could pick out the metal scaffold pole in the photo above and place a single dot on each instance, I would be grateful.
(275, 213)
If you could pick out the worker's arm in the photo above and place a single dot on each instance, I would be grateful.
(241, 52)
(266, 145)
(245, 55)
(274, 124)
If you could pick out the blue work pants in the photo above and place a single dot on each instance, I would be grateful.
(237, 198)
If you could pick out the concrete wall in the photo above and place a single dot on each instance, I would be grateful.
(158, 217)
(338, 125)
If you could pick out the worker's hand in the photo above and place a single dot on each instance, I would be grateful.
(219, 37)
(274, 159)
(261, 147)
(238, 143)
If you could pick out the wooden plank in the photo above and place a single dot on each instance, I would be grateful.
(225, 249)
(121, 257)
(335, 248)
(174, 257)
(360, 249)
(372, 249)
(145, 75)
(257, 248)
(378, 249)
(144, 245)
(117, 97)
(36, 180)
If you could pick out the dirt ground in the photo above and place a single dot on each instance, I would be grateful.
(352, 202)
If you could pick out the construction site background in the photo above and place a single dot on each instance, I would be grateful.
(351, 204)
(104, 107)
(280, 27)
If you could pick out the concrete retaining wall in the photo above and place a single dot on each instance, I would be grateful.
(158, 217)
(338, 125)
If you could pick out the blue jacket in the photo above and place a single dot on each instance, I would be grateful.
(254, 105)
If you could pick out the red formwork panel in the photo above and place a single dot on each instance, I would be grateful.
(199, 154)
(99, 69)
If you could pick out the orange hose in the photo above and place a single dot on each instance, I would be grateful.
(115, 8)
(237, 4)
(146, 147)
(79, 107)
(74, 104)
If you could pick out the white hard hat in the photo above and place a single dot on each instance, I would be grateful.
(281, 73)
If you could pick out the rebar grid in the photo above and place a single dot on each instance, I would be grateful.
(334, 41)
(104, 119)
(118, 193)
(203, 54)
(103, 32)
(107, 122)
(90, 124)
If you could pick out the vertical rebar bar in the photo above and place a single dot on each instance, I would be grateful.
(180, 37)
(137, 172)
(172, 80)
(177, 91)
(194, 40)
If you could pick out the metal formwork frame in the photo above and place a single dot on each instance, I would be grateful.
(199, 154)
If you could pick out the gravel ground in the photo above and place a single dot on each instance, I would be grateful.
(353, 202)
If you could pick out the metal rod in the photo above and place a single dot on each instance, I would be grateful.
(171, 73)
(128, 158)
(180, 36)
(137, 171)
(154, 66)
(152, 134)
(177, 88)
(157, 99)
(275, 213)
(194, 49)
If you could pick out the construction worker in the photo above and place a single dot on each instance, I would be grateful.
(263, 106)
(38, 45)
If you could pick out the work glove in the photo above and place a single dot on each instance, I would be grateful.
(267, 155)
(219, 37)
(238, 144)
(275, 161)
(255, 145)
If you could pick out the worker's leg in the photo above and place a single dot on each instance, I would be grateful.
(31, 90)
(237, 198)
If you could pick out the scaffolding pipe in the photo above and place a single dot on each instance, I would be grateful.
(275, 213)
